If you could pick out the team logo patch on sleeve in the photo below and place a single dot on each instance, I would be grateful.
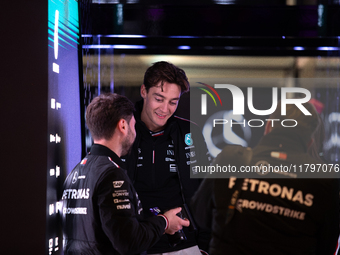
(118, 184)
(83, 162)
(188, 141)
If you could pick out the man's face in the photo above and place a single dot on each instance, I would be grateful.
(130, 138)
(160, 103)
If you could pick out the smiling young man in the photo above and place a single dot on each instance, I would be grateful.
(166, 149)
(160, 103)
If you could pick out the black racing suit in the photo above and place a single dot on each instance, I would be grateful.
(272, 216)
(157, 162)
(102, 213)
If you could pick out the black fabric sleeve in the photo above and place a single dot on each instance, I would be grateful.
(119, 209)
(203, 159)
(202, 204)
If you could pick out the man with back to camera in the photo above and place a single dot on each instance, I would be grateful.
(102, 213)
(165, 151)
(289, 215)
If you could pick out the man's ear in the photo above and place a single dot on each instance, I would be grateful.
(143, 91)
(122, 126)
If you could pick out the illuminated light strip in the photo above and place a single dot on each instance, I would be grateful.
(183, 36)
(126, 36)
(136, 36)
(105, 2)
(299, 48)
(325, 48)
(92, 36)
(184, 47)
(56, 21)
(118, 46)
(129, 46)
(116, 36)
(224, 2)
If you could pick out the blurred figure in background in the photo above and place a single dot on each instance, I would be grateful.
(274, 213)
(316, 148)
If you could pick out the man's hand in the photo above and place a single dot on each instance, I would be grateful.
(175, 222)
